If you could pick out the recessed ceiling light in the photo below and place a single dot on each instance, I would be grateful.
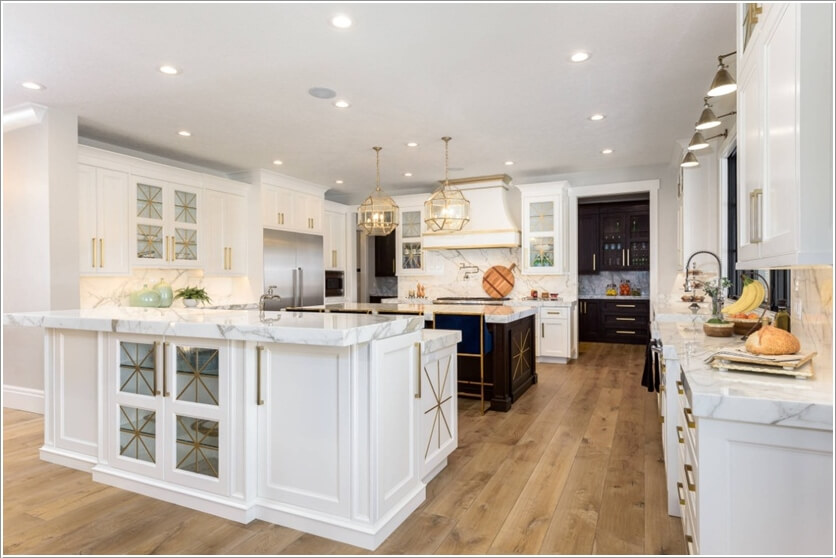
(597, 117)
(32, 85)
(278, 162)
(185, 133)
(412, 144)
(606, 151)
(509, 163)
(407, 174)
(338, 181)
(579, 56)
(342, 103)
(169, 70)
(322, 93)
(341, 21)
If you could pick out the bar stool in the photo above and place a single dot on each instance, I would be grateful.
(476, 342)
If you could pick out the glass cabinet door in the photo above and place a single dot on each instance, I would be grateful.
(541, 251)
(409, 239)
(166, 224)
(541, 217)
(185, 225)
(149, 228)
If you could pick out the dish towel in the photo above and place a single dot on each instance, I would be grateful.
(650, 378)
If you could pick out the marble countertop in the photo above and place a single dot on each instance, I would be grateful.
(745, 396)
(515, 302)
(305, 328)
(435, 339)
(493, 313)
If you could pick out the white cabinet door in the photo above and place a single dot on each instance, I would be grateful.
(304, 422)
(286, 209)
(103, 221)
(168, 410)
(411, 257)
(166, 218)
(335, 240)
(226, 243)
(437, 409)
(555, 334)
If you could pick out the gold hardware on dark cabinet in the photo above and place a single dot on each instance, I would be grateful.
(593, 262)
(625, 305)
(258, 400)
(628, 256)
(626, 319)
(625, 332)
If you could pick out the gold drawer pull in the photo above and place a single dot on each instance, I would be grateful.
(689, 542)
(680, 435)
(156, 352)
(680, 490)
(418, 393)
(553, 313)
(258, 399)
(625, 332)
(689, 417)
(626, 319)
(625, 305)
(689, 478)
(165, 370)
(93, 248)
(662, 388)
(679, 389)
(101, 252)
(661, 418)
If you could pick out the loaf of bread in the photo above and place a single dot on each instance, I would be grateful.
(770, 340)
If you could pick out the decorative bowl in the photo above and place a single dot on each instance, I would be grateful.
(742, 326)
(718, 330)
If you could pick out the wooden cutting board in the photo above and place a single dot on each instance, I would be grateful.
(498, 281)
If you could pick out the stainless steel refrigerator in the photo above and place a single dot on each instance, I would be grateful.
(293, 263)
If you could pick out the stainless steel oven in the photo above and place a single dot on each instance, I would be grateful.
(334, 283)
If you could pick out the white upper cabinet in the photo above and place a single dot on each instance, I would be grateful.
(785, 110)
(412, 257)
(103, 221)
(166, 219)
(335, 240)
(292, 210)
(226, 234)
(543, 221)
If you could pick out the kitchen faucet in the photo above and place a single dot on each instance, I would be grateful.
(267, 296)
(718, 300)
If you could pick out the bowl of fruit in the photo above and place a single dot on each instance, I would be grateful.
(743, 321)
(717, 327)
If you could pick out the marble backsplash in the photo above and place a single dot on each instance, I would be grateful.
(812, 311)
(454, 280)
(383, 286)
(115, 291)
(593, 285)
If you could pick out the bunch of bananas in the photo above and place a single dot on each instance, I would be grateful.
(751, 297)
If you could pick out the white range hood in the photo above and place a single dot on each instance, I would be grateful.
(494, 216)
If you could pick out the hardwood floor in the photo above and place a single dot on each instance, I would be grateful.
(574, 468)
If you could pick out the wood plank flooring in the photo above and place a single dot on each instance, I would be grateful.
(574, 468)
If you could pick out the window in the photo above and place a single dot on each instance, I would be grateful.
(779, 279)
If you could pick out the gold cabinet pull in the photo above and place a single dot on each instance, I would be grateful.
(542, 330)
(593, 262)
(626, 319)
(625, 332)
(333, 258)
(661, 418)
(628, 256)
(420, 369)
(101, 252)
(230, 258)
(679, 389)
(258, 399)
(680, 491)
(680, 435)
(165, 371)
(625, 305)
(689, 543)
(689, 417)
(553, 313)
(278, 218)
(93, 250)
(173, 249)
(156, 352)
(689, 478)
(623, 260)
(755, 216)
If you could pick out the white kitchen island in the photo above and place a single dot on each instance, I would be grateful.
(319, 422)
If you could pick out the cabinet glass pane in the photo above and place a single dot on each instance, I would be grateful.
(136, 368)
(149, 241)
(137, 433)
(197, 445)
(185, 207)
(197, 375)
(612, 227)
(541, 252)
(639, 225)
(411, 255)
(149, 202)
(185, 244)
(411, 224)
(541, 217)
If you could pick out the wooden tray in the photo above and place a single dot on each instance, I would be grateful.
(788, 365)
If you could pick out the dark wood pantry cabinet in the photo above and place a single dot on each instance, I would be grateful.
(616, 320)
(589, 244)
(625, 236)
(384, 255)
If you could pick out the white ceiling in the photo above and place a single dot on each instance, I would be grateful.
(495, 77)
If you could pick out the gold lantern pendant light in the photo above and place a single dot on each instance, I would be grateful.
(447, 210)
(378, 214)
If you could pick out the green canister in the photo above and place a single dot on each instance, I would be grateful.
(165, 292)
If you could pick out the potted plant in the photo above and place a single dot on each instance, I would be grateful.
(192, 295)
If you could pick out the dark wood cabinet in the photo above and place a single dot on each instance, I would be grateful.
(384, 255)
(589, 320)
(624, 236)
(614, 321)
(588, 239)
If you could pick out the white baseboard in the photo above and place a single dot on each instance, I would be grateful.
(23, 399)
(552, 360)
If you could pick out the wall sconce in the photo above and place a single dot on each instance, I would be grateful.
(708, 119)
(723, 82)
(690, 160)
(698, 142)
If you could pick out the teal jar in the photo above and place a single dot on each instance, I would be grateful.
(165, 292)
(146, 297)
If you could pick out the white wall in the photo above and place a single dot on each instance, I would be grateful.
(40, 243)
